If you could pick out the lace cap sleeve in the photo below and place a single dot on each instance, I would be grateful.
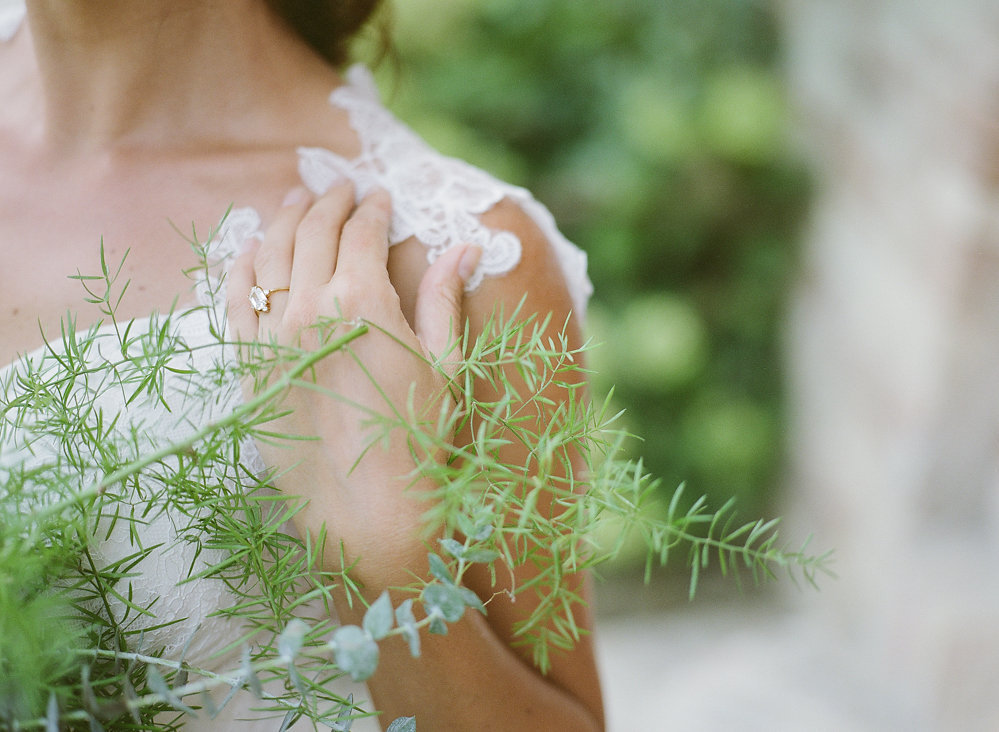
(436, 199)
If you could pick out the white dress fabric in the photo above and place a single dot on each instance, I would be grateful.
(437, 200)
(11, 15)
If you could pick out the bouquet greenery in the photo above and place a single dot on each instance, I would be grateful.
(75, 469)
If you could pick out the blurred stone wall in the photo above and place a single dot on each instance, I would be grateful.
(894, 342)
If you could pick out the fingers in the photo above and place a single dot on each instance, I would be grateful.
(316, 239)
(439, 300)
(330, 244)
(242, 320)
(363, 248)
(273, 260)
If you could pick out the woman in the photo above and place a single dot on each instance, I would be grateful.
(120, 117)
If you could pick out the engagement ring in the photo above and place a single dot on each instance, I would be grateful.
(260, 298)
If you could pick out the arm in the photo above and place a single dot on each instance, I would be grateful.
(472, 678)
(486, 681)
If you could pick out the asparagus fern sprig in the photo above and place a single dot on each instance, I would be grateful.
(112, 428)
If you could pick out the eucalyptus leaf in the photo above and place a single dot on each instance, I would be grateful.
(378, 618)
(466, 524)
(160, 687)
(233, 690)
(291, 639)
(296, 681)
(345, 716)
(402, 724)
(472, 600)
(158, 684)
(288, 720)
(131, 696)
(249, 676)
(437, 625)
(455, 548)
(481, 556)
(355, 651)
(444, 600)
(439, 569)
(208, 704)
(475, 529)
(407, 623)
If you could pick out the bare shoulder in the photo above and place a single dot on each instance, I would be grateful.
(537, 278)
(539, 282)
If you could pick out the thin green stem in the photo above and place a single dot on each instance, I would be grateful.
(235, 417)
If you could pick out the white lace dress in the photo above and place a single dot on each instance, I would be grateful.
(437, 200)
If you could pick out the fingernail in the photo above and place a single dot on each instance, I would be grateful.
(295, 196)
(469, 261)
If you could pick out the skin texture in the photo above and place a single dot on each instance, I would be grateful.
(121, 116)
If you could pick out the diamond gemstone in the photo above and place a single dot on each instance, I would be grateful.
(258, 299)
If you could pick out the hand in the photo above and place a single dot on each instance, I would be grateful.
(333, 257)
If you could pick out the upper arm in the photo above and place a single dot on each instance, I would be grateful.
(537, 281)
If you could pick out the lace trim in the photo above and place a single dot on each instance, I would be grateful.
(436, 199)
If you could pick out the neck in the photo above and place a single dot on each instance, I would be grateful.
(157, 74)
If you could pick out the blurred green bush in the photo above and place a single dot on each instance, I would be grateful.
(655, 131)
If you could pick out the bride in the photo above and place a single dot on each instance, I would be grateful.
(120, 117)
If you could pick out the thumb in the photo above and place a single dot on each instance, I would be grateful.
(438, 303)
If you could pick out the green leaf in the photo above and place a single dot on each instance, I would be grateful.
(474, 530)
(159, 687)
(291, 639)
(445, 601)
(407, 622)
(472, 600)
(289, 719)
(378, 618)
(481, 556)
(356, 651)
(455, 548)
(344, 720)
(403, 724)
(296, 680)
(439, 569)
(437, 625)
(208, 705)
(249, 675)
